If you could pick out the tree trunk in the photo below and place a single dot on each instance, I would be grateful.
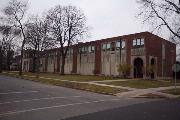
(62, 65)
(58, 61)
(38, 62)
(8, 62)
(0, 60)
(20, 67)
(37, 66)
(34, 64)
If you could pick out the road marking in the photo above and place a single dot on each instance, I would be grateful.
(18, 92)
(29, 100)
(58, 106)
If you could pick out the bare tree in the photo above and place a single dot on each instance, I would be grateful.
(68, 25)
(162, 13)
(9, 36)
(38, 38)
(14, 13)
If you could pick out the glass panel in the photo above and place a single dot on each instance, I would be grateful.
(104, 46)
(142, 41)
(92, 48)
(89, 49)
(85, 49)
(117, 44)
(134, 42)
(82, 49)
(138, 41)
(79, 50)
(108, 46)
(123, 44)
(112, 46)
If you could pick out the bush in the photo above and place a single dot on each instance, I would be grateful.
(123, 69)
(150, 69)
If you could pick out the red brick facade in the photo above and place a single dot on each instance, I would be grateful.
(145, 47)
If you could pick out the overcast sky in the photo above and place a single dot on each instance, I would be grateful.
(108, 18)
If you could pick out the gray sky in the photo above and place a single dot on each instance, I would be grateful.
(108, 18)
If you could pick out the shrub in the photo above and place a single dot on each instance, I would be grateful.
(123, 69)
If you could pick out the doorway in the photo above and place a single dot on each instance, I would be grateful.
(138, 68)
(153, 69)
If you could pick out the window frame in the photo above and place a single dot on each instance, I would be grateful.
(138, 42)
(121, 44)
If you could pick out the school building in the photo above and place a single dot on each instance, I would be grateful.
(101, 57)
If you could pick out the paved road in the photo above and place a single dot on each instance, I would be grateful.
(27, 100)
(159, 110)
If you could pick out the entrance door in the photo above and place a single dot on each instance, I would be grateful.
(153, 65)
(138, 68)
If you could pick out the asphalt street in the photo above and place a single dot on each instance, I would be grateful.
(27, 100)
(159, 110)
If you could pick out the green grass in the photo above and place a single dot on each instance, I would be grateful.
(172, 91)
(80, 86)
(140, 84)
(80, 78)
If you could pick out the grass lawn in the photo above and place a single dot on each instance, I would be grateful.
(140, 84)
(80, 78)
(172, 91)
(80, 86)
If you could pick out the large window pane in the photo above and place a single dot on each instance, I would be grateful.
(142, 41)
(92, 48)
(118, 44)
(82, 49)
(138, 41)
(89, 49)
(123, 44)
(85, 49)
(134, 42)
(79, 50)
(104, 47)
(108, 46)
(112, 46)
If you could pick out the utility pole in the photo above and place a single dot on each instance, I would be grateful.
(120, 49)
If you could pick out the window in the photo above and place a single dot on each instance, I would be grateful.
(79, 50)
(82, 50)
(134, 42)
(104, 47)
(108, 46)
(113, 46)
(123, 44)
(142, 41)
(120, 43)
(89, 49)
(92, 48)
(138, 42)
(85, 49)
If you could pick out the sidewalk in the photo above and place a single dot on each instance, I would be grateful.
(156, 91)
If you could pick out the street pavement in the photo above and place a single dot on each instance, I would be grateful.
(159, 110)
(27, 100)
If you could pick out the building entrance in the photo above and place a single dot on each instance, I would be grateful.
(138, 68)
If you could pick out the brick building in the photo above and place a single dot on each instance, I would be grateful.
(101, 57)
